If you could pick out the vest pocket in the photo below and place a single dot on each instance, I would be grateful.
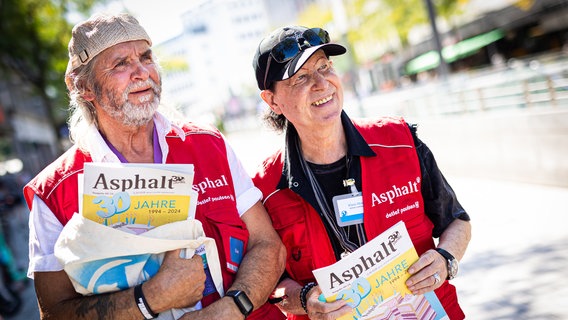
(289, 220)
(420, 228)
(231, 234)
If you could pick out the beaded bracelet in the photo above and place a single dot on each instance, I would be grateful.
(304, 292)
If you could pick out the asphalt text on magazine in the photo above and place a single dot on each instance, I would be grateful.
(372, 280)
(138, 197)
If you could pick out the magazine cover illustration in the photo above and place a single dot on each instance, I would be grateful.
(372, 280)
(138, 197)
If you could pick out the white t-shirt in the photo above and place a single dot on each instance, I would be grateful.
(45, 227)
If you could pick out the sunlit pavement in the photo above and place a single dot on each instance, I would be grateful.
(515, 266)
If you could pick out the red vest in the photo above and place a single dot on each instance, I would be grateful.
(216, 208)
(392, 196)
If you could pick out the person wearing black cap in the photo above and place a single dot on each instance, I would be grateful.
(114, 84)
(379, 164)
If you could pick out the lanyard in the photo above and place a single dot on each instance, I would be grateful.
(326, 213)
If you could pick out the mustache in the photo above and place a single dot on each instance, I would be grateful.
(148, 83)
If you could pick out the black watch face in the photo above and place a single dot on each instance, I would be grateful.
(247, 305)
(242, 301)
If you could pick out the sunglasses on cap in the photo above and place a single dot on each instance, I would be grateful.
(289, 48)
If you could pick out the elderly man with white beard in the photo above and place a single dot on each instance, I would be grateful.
(114, 85)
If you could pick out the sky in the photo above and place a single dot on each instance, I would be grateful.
(160, 18)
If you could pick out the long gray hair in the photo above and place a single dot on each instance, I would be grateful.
(82, 112)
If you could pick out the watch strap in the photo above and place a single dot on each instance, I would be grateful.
(451, 263)
(448, 256)
(242, 301)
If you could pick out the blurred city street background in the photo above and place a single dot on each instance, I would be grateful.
(515, 266)
(494, 111)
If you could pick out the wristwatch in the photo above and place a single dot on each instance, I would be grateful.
(451, 263)
(242, 301)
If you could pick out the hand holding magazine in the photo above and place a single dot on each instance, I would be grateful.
(372, 280)
(130, 215)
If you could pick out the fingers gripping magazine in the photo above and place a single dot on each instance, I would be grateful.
(130, 215)
(372, 280)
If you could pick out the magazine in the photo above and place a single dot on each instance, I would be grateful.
(155, 205)
(137, 197)
(372, 280)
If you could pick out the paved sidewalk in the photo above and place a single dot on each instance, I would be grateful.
(516, 262)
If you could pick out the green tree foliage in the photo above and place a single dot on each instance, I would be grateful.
(172, 64)
(380, 16)
(372, 22)
(33, 45)
(404, 15)
(449, 8)
(314, 16)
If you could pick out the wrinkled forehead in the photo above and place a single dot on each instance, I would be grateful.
(124, 50)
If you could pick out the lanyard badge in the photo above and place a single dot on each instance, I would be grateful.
(349, 207)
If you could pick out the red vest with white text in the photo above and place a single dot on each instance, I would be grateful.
(391, 193)
(203, 147)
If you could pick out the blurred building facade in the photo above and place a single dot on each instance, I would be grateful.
(220, 36)
(214, 74)
(217, 45)
(27, 141)
(493, 32)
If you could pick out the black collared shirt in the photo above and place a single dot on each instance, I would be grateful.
(440, 202)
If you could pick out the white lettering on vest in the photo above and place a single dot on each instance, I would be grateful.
(202, 186)
(396, 192)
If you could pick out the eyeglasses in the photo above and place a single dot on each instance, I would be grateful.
(289, 48)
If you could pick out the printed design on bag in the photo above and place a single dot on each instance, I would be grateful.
(111, 274)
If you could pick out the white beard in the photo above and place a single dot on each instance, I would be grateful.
(133, 115)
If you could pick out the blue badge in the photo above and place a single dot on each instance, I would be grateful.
(237, 250)
(348, 209)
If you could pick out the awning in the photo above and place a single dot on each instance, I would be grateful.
(462, 49)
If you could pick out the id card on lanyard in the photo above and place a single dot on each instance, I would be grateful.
(349, 207)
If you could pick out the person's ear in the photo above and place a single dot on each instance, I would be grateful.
(268, 97)
(88, 94)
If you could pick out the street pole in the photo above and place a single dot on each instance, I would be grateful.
(342, 25)
(443, 66)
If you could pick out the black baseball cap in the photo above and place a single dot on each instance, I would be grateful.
(284, 51)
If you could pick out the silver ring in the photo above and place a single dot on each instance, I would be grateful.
(436, 278)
